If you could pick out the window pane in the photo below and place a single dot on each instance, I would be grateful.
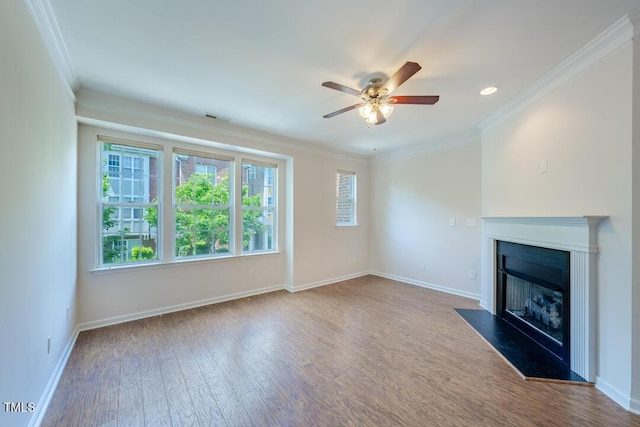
(126, 167)
(257, 227)
(345, 199)
(110, 187)
(206, 169)
(127, 239)
(138, 190)
(113, 163)
(138, 167)
(202, 210)
(202, 231)
(126, 188)
(258, 207)
(201, 180)
(129, 173)
(129, 230)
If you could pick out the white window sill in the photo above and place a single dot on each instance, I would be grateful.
(339, 226)
(174, 263)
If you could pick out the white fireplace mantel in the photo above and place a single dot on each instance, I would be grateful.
(578, 236)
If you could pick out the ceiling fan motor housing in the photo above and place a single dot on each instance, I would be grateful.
(372, 90)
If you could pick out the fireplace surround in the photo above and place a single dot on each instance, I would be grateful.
(578, 237)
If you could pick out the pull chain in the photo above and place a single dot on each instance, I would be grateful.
(374, 136)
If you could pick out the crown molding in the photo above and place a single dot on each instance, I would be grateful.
(47, 25)
(608, 42)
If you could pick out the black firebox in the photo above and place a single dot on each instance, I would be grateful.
(533, 294)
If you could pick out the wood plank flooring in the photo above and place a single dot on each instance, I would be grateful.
(367, 351)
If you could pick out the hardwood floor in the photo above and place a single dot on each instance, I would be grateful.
(367, 351)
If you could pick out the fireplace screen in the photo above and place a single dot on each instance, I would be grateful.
(536, 305)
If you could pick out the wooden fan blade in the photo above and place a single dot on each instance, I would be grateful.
(341, 88)
(426, 100)
(380, 118)
(344, 110)
(401, 76)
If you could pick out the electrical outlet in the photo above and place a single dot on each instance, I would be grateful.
(252, 272)
(471, 222)
(353, 260)
(452, 221)
(423, 267)
(473, 275)
(49, 344)
(67, 313)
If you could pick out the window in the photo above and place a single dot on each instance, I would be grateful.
(114, 164)
(345, 198)
(258, 207)
(251, 172)
(219, 204)
(128, 203)
(202, 205)
(206, 169)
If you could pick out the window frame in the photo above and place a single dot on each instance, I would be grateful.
(178, 158)
(106, 168)
(351, 198)
(273, 209)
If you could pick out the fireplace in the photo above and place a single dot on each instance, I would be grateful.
(575, 236)
(533, 284)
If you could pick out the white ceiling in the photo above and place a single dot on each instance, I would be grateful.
(260, 64)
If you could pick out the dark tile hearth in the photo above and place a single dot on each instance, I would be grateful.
(525, 355)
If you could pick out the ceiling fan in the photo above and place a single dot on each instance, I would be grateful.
(377, 102)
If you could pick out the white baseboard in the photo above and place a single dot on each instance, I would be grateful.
(47, 394)
(634, 406)
(428, 285)
(333, 280)
(173, 308)
(616, 395)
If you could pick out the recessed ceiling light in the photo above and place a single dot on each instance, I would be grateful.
(489, 90)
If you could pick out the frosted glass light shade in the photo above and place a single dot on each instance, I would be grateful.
(373, 118)
(386, 110)
(365, 111)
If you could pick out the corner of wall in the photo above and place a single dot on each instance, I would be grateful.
(50, 388)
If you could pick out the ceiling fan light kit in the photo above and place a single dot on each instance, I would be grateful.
(369, 111)
(376, 97)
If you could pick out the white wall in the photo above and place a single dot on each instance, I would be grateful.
(312, 250)
(583, 129)
(413, 199)
(323, 251)
(38, 227)
(635, 379)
